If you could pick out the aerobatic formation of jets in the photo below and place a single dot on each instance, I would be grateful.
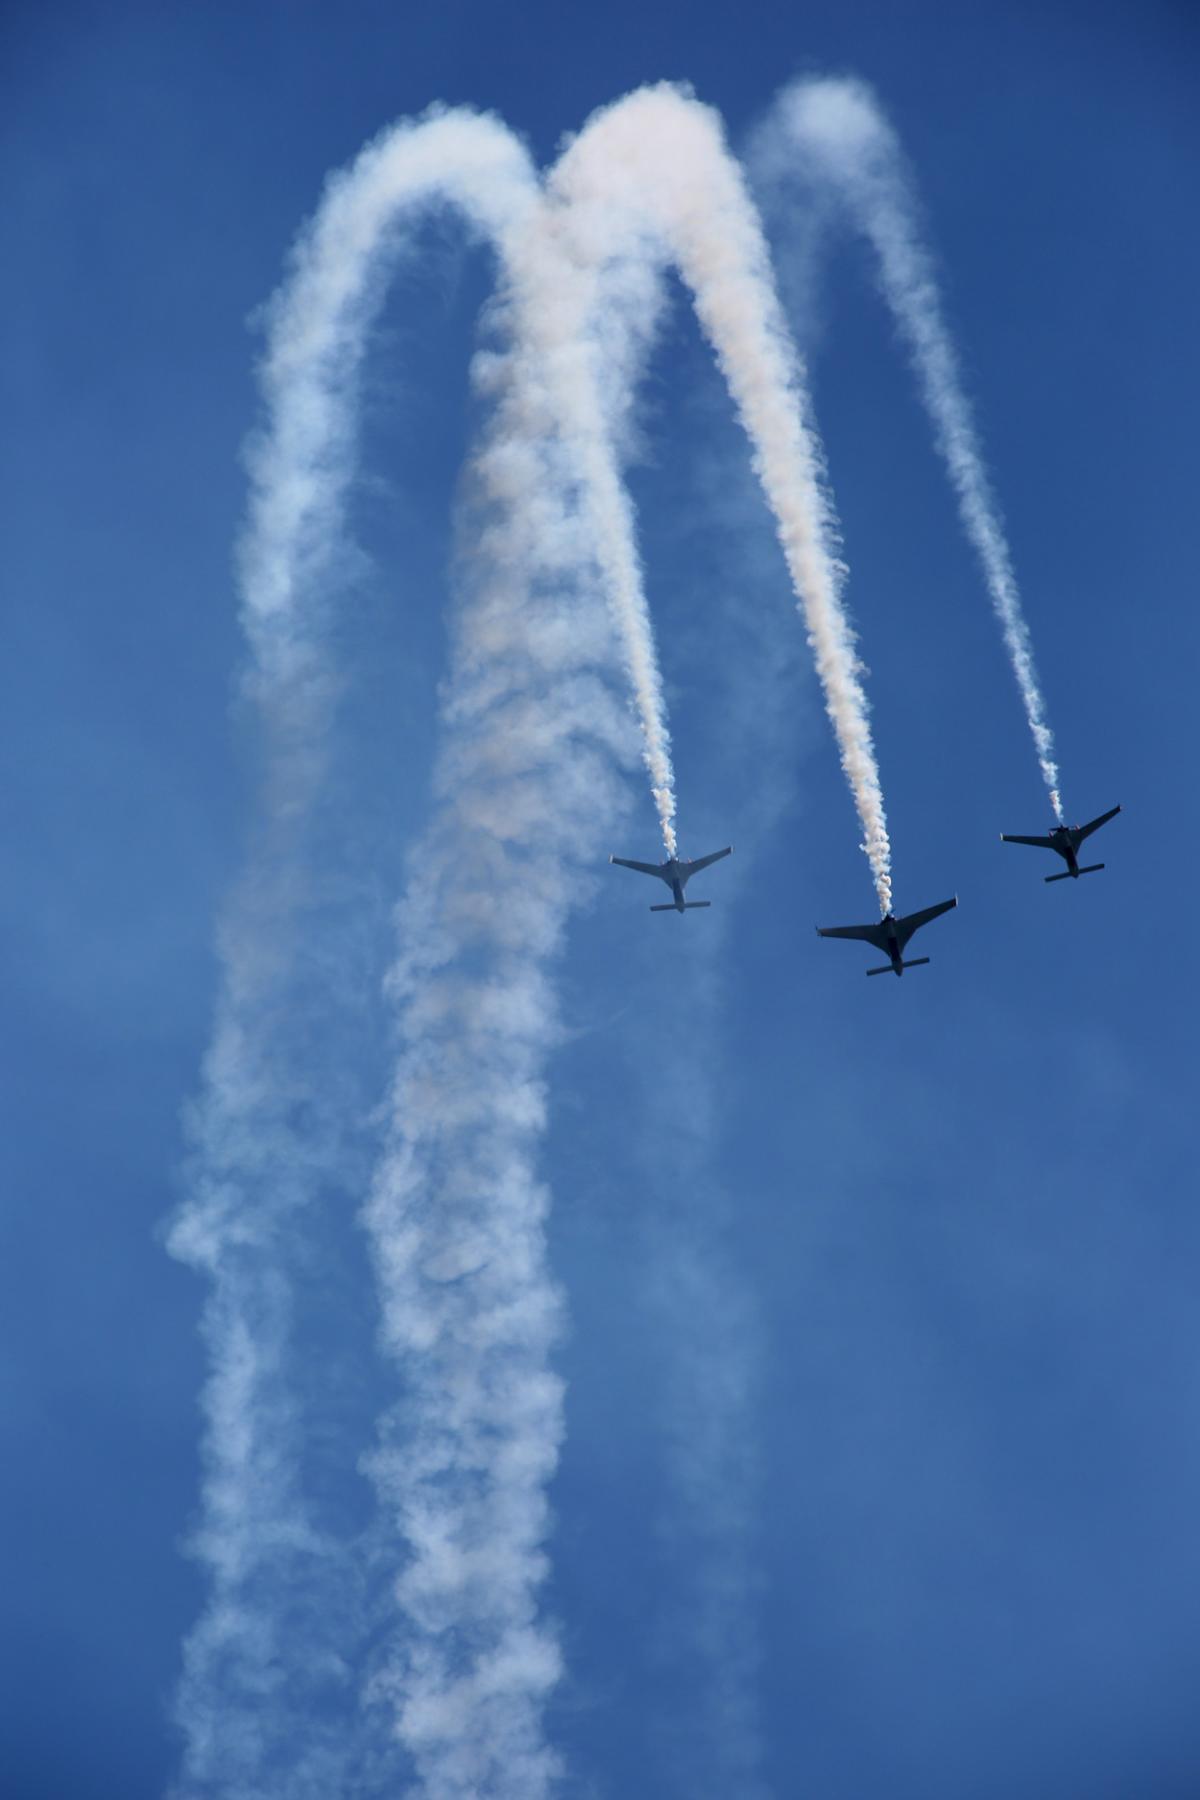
(891, 935)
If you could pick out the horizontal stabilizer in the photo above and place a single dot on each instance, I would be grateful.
(1091, 868)
(667, 906)
(1064, 875)
(911, 962)
(688, 906)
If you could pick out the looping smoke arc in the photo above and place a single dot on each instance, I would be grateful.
(651, 178)
(254, 1691)
(534, 745)
(836, 132)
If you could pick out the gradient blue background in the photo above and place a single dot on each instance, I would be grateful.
(952, 1221)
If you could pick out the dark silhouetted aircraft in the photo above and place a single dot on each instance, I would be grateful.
(1066, 839)
(676, 874)
(891, 935)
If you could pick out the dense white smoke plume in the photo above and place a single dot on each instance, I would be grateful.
(534, 739)
(475, 163)
(836, 131)
(651, 178)
(270, 1129)
(563, 376)
(247, 1710)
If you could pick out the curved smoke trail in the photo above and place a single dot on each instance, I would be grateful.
(528, 781)
(269, 1131)
(474, 162)
(839, 129)
(533, 736)
(651, 178)
(533, 743)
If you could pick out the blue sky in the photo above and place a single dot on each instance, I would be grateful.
(883, 1364)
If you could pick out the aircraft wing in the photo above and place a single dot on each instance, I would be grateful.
(911, 922)
(642, 868)
(1046, 843)
(869, 934)
(702, 862)
(1087, 830)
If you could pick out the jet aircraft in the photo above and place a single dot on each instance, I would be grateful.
(1065, 840)
(676, 874)
(891, 935)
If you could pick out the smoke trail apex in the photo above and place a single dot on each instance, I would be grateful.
(651, 176)
(840, 128)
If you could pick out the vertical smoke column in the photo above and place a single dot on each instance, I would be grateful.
(533, 742)
(839, 133)
(651, 177)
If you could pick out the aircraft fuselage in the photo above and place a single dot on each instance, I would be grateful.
(675, 874)
(895, 954)
(1066, 843)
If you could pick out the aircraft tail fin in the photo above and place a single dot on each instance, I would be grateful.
(688, 906)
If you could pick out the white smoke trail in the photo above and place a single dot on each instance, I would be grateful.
(651, 177)
(840, 132)
(565, 361)
(456, 1215)
(475, 162)
(257, 1701)
(527, 778)
(527, 786)
(247, 1698)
